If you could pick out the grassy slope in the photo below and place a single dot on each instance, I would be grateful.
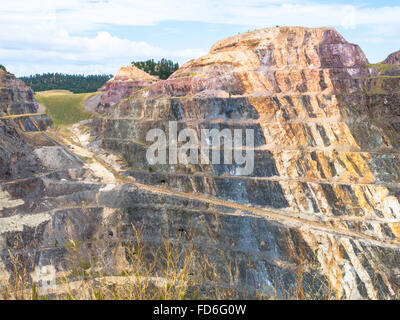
(64, 108)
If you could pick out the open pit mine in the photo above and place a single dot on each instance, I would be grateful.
(320, 210)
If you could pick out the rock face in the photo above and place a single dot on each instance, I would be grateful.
(16, 97)
(18, 114)
(17, 104)
(38, 178)
(393, 58)
(319, 212)
(324, 194)
(127, 81)
(278, 60)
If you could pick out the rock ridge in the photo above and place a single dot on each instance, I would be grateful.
(326, 133)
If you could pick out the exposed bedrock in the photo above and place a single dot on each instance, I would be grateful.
(393, 58)
(19, 115)
(326, 129)
(18, 106)
(38, 180)
(321, 206)
(124, 84)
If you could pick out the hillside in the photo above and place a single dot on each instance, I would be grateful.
(64, 108)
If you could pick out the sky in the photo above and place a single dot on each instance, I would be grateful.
(100, 36)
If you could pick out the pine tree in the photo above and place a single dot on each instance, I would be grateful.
(60, 81)
(163, 68)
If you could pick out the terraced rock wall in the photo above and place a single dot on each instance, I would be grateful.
(319, 215)
(326, 150)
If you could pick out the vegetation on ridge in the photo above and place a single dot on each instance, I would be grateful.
(381, 67)
(5, 69)
(59, 81)
(163, 68)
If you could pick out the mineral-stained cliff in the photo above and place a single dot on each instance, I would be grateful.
(125, 83)
(324, 194)
(321, 208)
(393, 58)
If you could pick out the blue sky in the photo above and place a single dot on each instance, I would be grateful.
(99, 36)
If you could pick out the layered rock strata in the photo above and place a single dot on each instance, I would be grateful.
(19, 114)
(41, 182)
(125, 83)
(318, 216)
(393, 58)
(18, 106)
(326, 176)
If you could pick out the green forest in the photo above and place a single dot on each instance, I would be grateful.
(77, 83)
(163, 68)
(58, 81)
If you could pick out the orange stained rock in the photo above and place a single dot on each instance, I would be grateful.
(133, 73)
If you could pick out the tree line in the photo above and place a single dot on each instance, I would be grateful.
(75, 83)
(163, 68)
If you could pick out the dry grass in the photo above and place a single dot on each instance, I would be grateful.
(173, 271)
(162, 274)
(18, 287)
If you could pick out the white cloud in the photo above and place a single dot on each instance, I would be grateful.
(51, 33)
(78, 15)
(39, 49)
(59, 48)
(87, 14)
(349, 17)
